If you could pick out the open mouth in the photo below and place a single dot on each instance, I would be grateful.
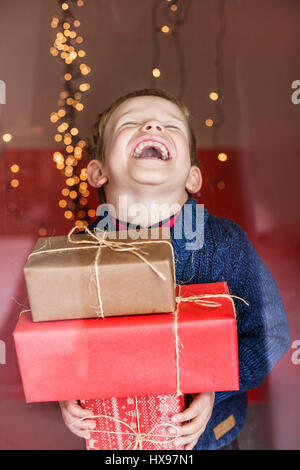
(151, 150)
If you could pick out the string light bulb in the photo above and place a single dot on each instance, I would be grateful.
(84, 86)
(222, 157)
(165, 29)
(68, 214)
(209, 122)
(6, 138)
(221, 185)
(14, 183)
(62, 203)
(42, 231)
(14, 168)
(214, 96)
(156, 72)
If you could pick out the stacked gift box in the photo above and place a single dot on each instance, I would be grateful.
(109, 326)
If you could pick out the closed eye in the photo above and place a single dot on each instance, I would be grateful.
(129, 122)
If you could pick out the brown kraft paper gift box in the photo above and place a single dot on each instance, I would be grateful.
(69, 277)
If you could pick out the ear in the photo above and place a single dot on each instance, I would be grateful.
(194, 181)
(95, 173)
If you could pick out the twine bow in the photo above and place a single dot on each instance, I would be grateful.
(138, 437)
(203, 301)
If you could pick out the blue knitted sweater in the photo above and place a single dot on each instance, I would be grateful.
(226, 254)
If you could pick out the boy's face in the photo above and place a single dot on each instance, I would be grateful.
(146, 142)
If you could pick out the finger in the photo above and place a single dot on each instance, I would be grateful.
(173, 430)
(201, 403)
(197, 407)
(65, 404)
(82, 424)
(76, 418)
(191, 445)
(184, 440)
(80, 433)
(187, 439)
(78, 411)
(188, 414)
(192, 428)
(196, 424)
(76, 414)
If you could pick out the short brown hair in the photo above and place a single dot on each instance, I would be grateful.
(95, 142)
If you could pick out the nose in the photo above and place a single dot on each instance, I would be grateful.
(152, 125)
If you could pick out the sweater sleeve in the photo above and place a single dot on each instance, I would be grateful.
(263, 333)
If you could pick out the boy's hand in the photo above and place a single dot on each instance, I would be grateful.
(197, 416)
(71, 411)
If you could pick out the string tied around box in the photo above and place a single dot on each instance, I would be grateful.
(99, 240)
(138, 438)
(203, 300)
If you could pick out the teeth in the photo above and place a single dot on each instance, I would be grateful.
(150, 143)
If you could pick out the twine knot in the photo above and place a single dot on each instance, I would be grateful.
(138, 437)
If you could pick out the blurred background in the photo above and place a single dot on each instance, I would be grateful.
(235, 64)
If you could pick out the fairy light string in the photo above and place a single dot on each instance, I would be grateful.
(168, 17)
(67, 46)
(216, 96)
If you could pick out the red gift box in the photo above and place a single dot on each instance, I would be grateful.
(133, 423)
(193, 351)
